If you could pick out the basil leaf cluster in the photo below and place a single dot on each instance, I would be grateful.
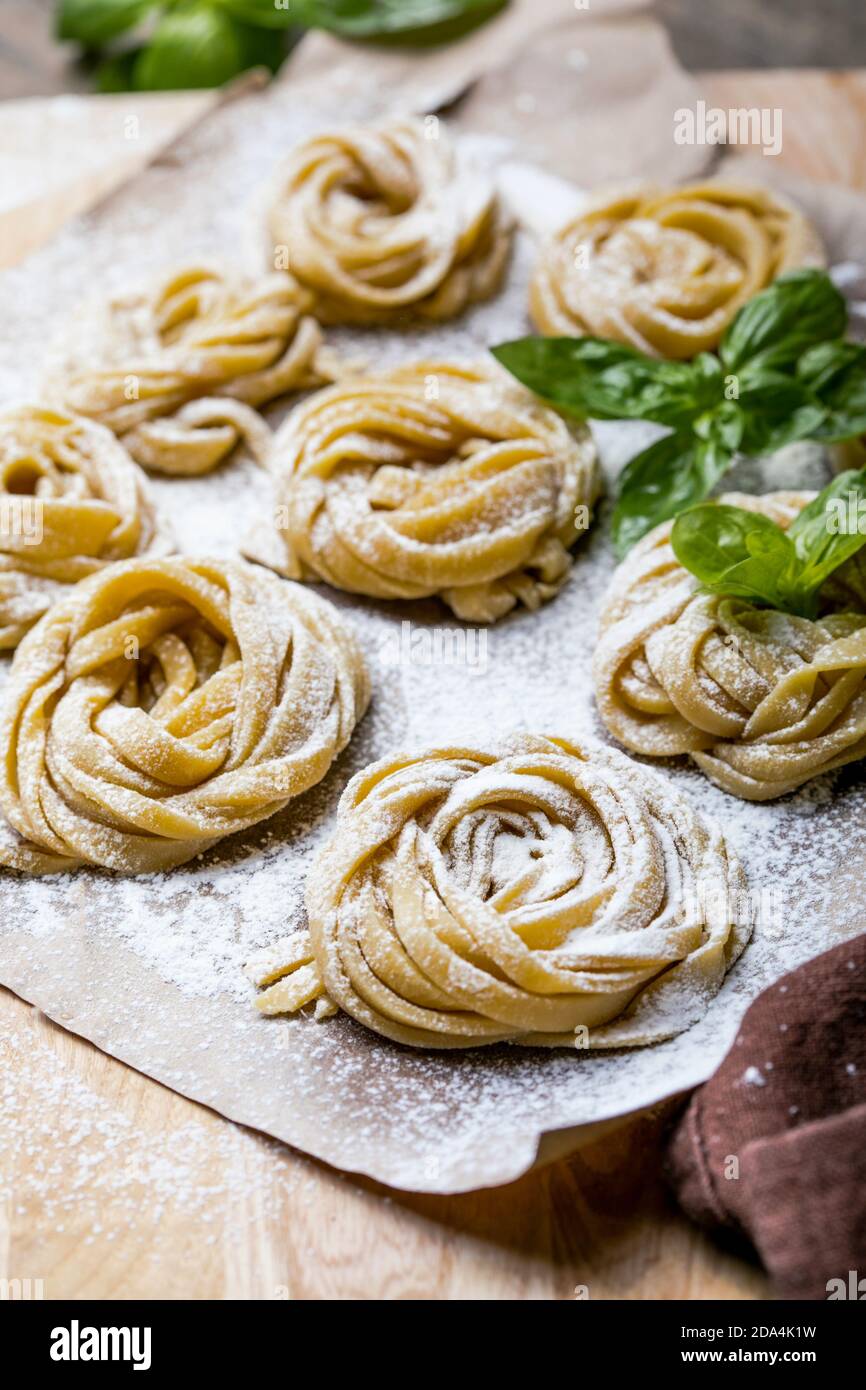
(783, 372)
(203, 43)
(744, 554)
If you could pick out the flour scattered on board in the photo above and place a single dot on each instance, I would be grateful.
(151, 969)
(77, 1164)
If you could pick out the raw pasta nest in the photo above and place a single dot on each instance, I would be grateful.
(383, 221)
(71, 502)
(163, 705)
(666, 272)
(763, 701)
(534, 891)
(433, 479)
(176, 370)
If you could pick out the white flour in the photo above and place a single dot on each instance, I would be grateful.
(151, 968)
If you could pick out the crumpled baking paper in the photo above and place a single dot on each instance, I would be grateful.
(150, 969)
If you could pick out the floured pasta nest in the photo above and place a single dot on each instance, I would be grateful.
(164, 704)
(432, 479)
(71, 502)
(665, 272)
(533, 891)
(762, 700)
(383, 222)
(176, 370)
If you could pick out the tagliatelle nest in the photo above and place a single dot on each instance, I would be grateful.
(165, 704)
(383, 221)
(433, 479)
(176, 371)
(71, 502)
(665, 272)
(532, 891)
(761, 700)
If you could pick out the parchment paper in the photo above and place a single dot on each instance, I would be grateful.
(150, 969)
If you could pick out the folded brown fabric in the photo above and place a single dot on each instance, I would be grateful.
(774, 1145)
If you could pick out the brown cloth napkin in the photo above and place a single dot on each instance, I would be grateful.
(774, 1145)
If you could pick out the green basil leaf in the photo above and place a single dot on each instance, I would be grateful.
(594, 378)
(836, 374)
(94, 22)
(776, 326)
(401, 21)
(822, 364)
(828, 532)
(198, 46)
(117, 74)
(740, 554)
(777, 409)
(672, 474)
(724, 426)
(746, 555)
(266, 14)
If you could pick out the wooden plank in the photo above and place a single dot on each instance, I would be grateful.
(114, 1187)
(823, 117)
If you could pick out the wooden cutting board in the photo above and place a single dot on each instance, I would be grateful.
(112, 1186)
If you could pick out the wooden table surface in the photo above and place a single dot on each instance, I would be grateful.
(112, 1186)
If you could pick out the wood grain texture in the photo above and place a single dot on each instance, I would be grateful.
(113, 1186)
(823, 117)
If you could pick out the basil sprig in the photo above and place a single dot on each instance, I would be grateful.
(418, 22)
(744, 554)
(836, 373)
(783, 372)
(203, 43)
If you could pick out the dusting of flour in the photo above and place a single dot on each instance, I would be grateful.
(151, 968)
